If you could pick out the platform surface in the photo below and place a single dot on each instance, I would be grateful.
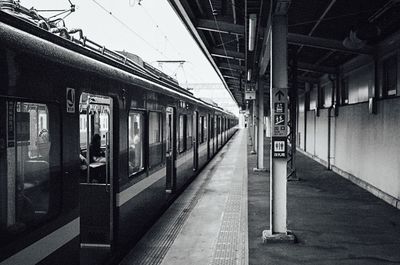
(220, 217)
(335, 221)
(207, 224)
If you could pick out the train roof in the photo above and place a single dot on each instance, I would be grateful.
(83, 53)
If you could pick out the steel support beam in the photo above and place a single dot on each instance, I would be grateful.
(327, 44)
(220, 26)
(315, 68)
(182, 11)
(233, 67)
(227, 54)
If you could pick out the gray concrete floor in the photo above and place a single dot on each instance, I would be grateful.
(335, 221)
(207, 224)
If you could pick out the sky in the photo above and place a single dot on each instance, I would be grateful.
(148, 28)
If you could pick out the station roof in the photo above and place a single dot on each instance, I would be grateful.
(322, 35)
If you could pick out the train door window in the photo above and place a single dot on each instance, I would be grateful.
(390, 76)
(189, 130)
(29, 166)
(201, 129)
(182, 133)
(136, 142)
(155, 139)
(94, 139)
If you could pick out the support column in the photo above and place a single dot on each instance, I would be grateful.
(279, 114)
(260, 126)
(254, 118)
(250, 125)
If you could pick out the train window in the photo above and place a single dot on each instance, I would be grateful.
(201, 129)
(390, 76)
(189, 139)
(29, 166)
(135, 142)
(182, 133)
(205, 129)
(155, 139)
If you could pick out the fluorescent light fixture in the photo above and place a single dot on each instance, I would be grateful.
(249, 75)
(252, 31)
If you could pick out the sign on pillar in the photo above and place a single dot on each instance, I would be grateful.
(279, 122)
(279, 117)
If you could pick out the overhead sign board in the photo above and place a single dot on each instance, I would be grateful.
(250, 95)
(70, 102)
(279, 114)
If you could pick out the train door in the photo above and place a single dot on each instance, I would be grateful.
(96, 177)
(218, 131)
(208, 137)
(170, 149)
(195, 140)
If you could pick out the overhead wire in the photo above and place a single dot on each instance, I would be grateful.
(166, 38)
(139, 36)
(128, 27)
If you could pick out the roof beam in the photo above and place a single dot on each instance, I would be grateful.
(308, 79)
(322, 43)
(315, 68)
(279, 7)
(220, 26)
(319, 21)
(230, 76)
(227, 54)
(233, 67)
(184, 16)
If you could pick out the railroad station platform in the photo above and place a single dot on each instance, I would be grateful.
(220, 217)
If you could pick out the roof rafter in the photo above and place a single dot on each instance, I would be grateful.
(220, 26)
(322, 43)
(227, 54)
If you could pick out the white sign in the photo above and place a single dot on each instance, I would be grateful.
(279, 146)
(70, 100)
(279, 112)
(250, 95)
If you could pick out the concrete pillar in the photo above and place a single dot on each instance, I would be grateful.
(278, 166)
(260, 141)
(253, 129)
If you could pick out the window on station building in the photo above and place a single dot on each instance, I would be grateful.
(344, 92)
(390, 76)
(182, 133)
(30, 166)
(155, 139)
(189, 130)
(136, 142)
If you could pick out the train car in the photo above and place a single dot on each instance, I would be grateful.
(93, 146)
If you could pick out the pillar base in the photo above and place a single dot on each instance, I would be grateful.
(256, 169)
(269, 237)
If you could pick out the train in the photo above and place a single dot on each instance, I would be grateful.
(94, 145)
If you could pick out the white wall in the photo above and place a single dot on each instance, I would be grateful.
(368, 147)
(321, 135)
